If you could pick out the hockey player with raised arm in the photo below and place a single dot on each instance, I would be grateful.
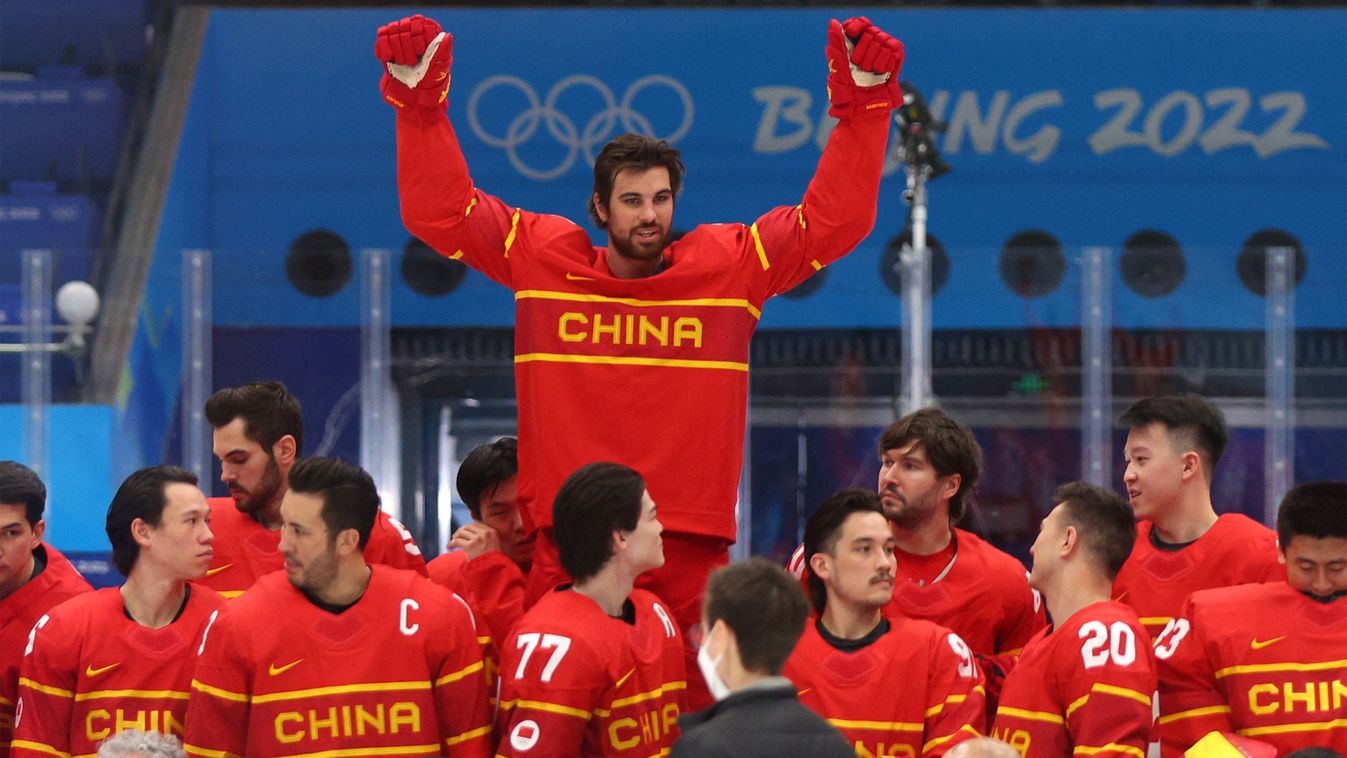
(617, 339)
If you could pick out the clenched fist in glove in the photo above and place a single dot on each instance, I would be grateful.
(863, 67)
(416, 54)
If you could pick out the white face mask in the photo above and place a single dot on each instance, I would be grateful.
(719, 690)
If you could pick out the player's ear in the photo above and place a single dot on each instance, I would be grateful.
(950, 488)
(818, 563)
(1070, 541)
(348, 540)
(39, 529)
(140, 532)
(600, 208)
(1192, 464)
(285, 450)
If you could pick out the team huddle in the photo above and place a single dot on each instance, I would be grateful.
(588, 608)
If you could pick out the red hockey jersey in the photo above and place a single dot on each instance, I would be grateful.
(245, 551)
(985, 597)
(58, 582)
(577, 682)
(601, 361)
(1083, 687)
(93, 672)
(1155, 582)
(491, 583)
(914, 691)
(398, 673)
(1261, 660)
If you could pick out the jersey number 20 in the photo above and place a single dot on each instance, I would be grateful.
(1116, 641)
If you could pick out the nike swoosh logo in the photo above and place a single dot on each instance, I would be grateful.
(214, 571)
(275, 670)
(574, 278)
(92, 672)
(1258, 644)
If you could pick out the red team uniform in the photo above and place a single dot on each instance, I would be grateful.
(1083, 687)
(398, 673)
(491, 583)
(676, 344)
(1154, 582)
(93, 672)
(984, 597)
(1260, 660)
(57, 582)
(245, 550)
(914, 690)
(577, 682)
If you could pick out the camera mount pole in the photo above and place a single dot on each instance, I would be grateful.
(915, 261)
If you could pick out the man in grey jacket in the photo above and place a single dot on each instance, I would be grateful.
(752, 615)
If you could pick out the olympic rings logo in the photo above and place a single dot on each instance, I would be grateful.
(562, 129)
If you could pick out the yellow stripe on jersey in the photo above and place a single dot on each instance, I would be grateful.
(227, 594)
(471, 204)
(575, 297)
(38, 747)
(1051, 718)
(884, 726)
(938, 741)
(207, 752)
(465, 671)
(799, 212)
(469, 735)
(458, 254)
(1210, 710)
(200, 686)
(1108, 689)
(538, 705)
(514, 231)
(154, 694)
(757, 245)
(641, 697)
(630, 361)
(624, 678)
(1288, 666)
(816, 264)
(1111, 747)
(1317, 726)
(6, 701)
(343, 689)
(1155, 620)
(356, 752)
(32, 685)
(938, 707)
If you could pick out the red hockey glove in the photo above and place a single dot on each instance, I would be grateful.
(863, 67)
(416, 54)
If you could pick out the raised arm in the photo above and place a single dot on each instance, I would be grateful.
(838, 209)
(439, 203)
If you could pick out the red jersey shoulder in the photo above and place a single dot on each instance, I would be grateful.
(446, 569)
(1000, 566)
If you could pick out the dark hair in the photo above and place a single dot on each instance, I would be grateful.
(950, 447)
(1105, 522)
(596, 500)
(1190, 422)
(268, 410)
(350, 499)
(1313, 509)
(20, 485)
(632, 151)
(487, 467)
(142, 496)
(1314, 752)
(825, 528)
(764, 608)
